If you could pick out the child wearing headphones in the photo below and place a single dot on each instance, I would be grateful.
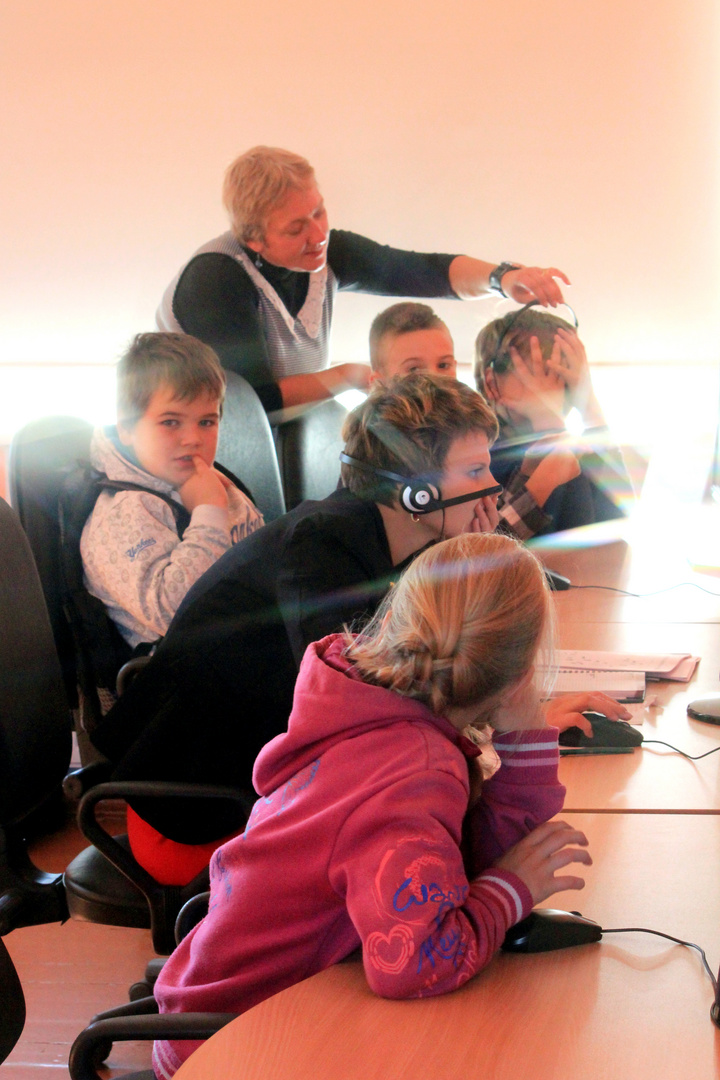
(532, 368)
(406, 809)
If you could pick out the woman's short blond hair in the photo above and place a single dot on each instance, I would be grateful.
(257, 182)
(464, 622)
(407, 425)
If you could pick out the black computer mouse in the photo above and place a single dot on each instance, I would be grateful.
(547, 928)
(605, 733)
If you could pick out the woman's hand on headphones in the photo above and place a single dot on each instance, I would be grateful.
(533, 283)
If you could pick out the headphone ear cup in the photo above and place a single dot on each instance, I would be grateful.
(420, 498)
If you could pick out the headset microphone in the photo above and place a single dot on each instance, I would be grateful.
(419, 496)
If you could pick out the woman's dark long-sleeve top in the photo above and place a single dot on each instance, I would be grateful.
(215, 299)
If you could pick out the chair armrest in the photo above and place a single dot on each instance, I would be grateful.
(81, 780)
(114, 852)
(128, 671)
(91, 1045)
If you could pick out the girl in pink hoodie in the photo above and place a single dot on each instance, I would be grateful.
(406, 809)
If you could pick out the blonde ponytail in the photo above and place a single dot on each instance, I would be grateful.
(465, 621)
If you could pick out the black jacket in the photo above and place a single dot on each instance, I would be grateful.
(220, 684)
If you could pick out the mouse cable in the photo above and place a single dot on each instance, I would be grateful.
(669, 937)
(655, 592)
(690, 757)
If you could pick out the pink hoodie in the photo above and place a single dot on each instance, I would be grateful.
(356, 840)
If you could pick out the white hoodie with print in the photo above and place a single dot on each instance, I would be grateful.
(134, 559)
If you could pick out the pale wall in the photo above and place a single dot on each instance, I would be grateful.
(577, 133)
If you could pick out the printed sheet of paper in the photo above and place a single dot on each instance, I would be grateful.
(677, 667)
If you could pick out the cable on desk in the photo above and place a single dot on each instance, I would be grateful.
(669, 937)
(690, 757)
(655, 592)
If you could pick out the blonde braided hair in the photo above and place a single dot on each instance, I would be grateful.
(464, 622)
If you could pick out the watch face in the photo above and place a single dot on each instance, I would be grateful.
(495, 278)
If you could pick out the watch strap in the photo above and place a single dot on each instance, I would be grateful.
(496, 275)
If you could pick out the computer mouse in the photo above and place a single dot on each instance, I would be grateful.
(605, 733)
(547, 928)
(557, 582)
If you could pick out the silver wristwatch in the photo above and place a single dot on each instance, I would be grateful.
(496, 276)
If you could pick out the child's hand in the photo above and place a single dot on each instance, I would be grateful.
(539, 394)
(546, 849)
(204, 487)
(486, 517)
(567, 711)
(549, 471)
(569, 362)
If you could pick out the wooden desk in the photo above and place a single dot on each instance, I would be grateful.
(652, 779)
(641, 554)
(629, 1007)
(685, 620)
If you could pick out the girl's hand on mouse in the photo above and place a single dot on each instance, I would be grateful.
(567, 711)
(546, 849)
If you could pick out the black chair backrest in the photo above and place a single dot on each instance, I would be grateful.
(246, 446)
(41, 456)
(309, 441)
(12, 1004)
(35, 720)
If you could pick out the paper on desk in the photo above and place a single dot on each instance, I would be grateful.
(640, 711)
(677, 667)
(621, 685)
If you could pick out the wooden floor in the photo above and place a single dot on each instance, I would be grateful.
(69, 973)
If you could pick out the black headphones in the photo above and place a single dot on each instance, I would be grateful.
(493, 363)
(417, 495)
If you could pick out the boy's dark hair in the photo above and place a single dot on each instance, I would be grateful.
(492, 345)
(190, 367)
(402, 318)
(407, 425)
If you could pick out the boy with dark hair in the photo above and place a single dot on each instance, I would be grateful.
(171, 514)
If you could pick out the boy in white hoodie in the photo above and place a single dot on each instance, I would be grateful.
(144, 546)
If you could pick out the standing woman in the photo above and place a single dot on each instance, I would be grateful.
(262, 293)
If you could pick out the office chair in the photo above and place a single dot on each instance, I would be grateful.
(104, 883)
(246, 446)
(139, 1021)
(35, 731)
(42, 455)
(12, 1004)
(308, 441)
